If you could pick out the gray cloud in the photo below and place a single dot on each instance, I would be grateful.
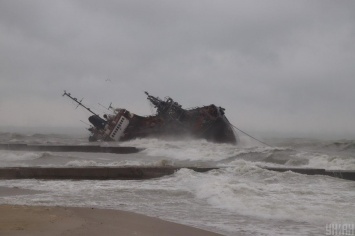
(276, 66)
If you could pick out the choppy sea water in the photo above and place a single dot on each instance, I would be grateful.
(240, 198)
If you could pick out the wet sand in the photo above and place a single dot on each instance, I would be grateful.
(41, 220)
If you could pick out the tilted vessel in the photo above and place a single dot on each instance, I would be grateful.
(170, 121)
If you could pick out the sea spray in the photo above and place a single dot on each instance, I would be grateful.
(239, 198)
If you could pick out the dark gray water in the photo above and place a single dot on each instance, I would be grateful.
(240, 198)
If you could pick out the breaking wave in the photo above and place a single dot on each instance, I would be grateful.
(341, 145)
(39, 138)
(251, 191)
(9, 159)
(23, 156)
(200, 151)
(123, 163)
(239, 195)
(81, 163)
(191, 150)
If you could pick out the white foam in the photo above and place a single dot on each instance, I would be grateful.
(230, 199)
(325, 161)
(127, 163)
(14, 156)
(82, 163)
(237, 196)
(255, 192)
(187, 150)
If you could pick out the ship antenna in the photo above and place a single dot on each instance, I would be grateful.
(86, 123)
(79, 102)
(109, 107)
(104, 106)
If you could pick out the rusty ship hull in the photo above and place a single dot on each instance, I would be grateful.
(170, 121)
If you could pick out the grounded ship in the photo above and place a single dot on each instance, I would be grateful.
(171, 120)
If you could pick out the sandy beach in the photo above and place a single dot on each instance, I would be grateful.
(42, 220)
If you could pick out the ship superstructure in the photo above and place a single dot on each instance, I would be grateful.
(170, 121)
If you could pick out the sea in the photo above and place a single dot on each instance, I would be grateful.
(239, 198)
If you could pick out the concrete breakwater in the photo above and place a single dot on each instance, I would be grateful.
(98, 173)
(69, 148)
(134, 173)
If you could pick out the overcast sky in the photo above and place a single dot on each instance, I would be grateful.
(276, 66)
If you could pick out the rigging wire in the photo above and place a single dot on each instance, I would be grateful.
(249, 135)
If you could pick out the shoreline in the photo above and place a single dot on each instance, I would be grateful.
(59, 220)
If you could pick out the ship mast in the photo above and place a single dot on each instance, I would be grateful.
(168, 107)
(78, 102)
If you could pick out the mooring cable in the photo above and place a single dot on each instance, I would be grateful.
(249, 135)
